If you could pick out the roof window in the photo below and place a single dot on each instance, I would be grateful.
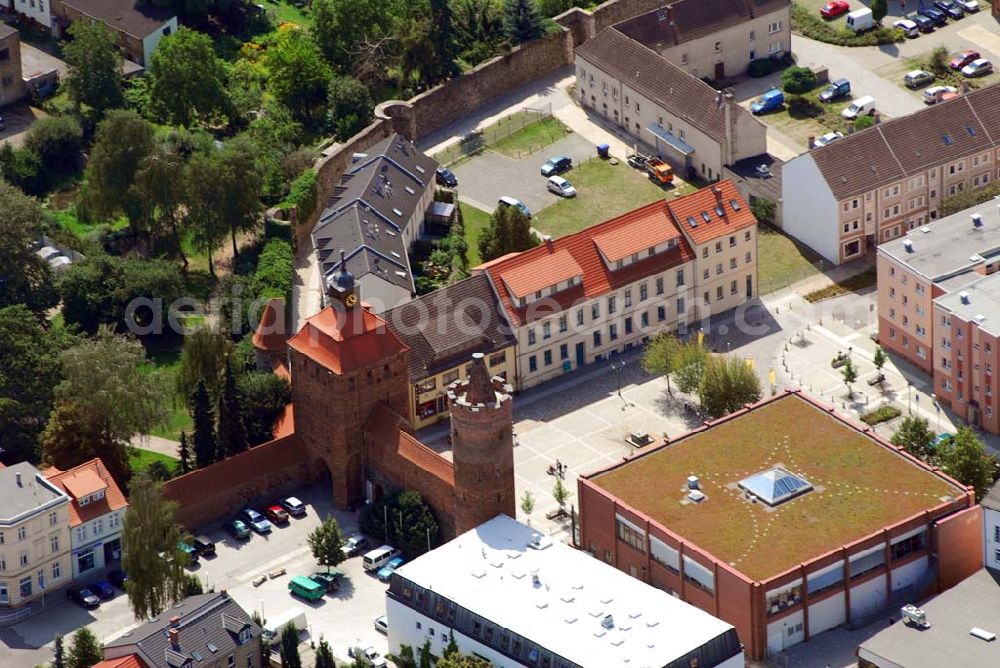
(692, 222)
(736, 205)
(946, 138)
(705, 216)
(971, 130)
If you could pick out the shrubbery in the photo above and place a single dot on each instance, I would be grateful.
(814, 27)
(275, 268)
(302, 195)
(762, 67)
(798, 80)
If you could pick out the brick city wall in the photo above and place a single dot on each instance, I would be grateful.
(260, 474)
(959, 545)
(395, 474)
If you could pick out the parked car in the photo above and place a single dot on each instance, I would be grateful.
(330, 581)
(83, 596)
(355, 544)
(977, 68)
(936, 94)
(963, 58)
(237, 529)
(917, 78)
(385, 572)
(255, 520)
(204, 545)
(908, 27)
(970, 6)
(306, 588)
(828, 138)
(771, 100)
(923, 23)
(506, 200)
(832, 10)
(190, 551)
(636, 161)
(373, 657)
(118, 578)
(763, 171)
(950, 8)
(863, 106)
(836, 90)
(557, 165)
(103, 589)
(294, 506)
(276, 514)
(561, 187)
(935, 15)
(860, 20)
(382, 624)
(445, 177)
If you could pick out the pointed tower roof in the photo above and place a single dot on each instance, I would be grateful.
(270, 333)
(480, 387)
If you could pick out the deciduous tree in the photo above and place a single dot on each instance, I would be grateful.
(56, 140)
(263, 397)
(879, 10)
(187, 80)
(72, 436)
(26, 278)
(349, 106)
(241, 185)
(290, 647)
(509, 231)
(528, 504)
(298, 76)
(850, 375)
(85, 650)
(689, 365)
(411, 524)
(203, 190)
(151, 556)
(203, 357)
(326, 542)
(122, 140)
(560, 493)
(727, 384)
(965, 459)
(660, 355)
(915, 435)
(158, 193)
(94, 78)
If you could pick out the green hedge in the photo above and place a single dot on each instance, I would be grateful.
(302, 194)
(275, 270)
(814, 27)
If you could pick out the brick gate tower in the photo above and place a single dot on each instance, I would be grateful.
(344, 362)
(482, 441)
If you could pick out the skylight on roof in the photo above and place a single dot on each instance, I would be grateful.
(692, 222)
(736, 205)
(775, 485)
(705, 216)
(719, 212)
(971, 130)
(946, 138)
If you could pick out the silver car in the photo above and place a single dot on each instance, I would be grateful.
(561, 187)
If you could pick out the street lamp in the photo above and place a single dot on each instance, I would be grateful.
(909, 395)
(618, 368)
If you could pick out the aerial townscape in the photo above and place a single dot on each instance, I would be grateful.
(499, 333)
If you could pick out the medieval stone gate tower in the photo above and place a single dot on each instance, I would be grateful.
(482, 444)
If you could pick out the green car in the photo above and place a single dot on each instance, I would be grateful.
(330, 581)
(237, 529)
(306, 588)
(190, 551)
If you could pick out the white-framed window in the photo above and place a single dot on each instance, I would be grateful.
(773, 27)
(54, 542)
(22, 533)
(774, 47)
(56, 571)
(23, 560)
(81, 532)
(53, 518)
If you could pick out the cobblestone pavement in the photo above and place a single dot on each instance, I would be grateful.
(485, 178)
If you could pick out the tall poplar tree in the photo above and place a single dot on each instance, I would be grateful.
(232, 433)
(206, 449)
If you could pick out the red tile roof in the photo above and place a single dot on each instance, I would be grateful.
(271, 333)
(346, 341)
(526, 279)
(83, 480)
(644, 227)
(704, 202)
(127, 661)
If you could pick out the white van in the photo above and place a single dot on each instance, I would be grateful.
(271, 632)
(379, 557)
(860, 20)
(863, 106)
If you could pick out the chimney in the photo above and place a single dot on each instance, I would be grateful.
(549, 245)
(812, 141)
(17, 477)
(717, 191)
(727, 110)
(223, 593)
(175, 639)
(175, 621)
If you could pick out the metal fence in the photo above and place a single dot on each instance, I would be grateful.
(478, 141)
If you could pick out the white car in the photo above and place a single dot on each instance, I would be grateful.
(561, 187)
(374, 659)
(828, 138)
(382, 624)
(969, 6)
(934, 94)
(978, 68)
(908, 27)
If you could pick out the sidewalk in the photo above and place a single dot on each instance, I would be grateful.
(163, 446)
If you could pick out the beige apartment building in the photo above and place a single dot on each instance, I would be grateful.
(588, 296)
(686, 121)
(714, 39)
(939, 307)
(873, 186)
(34, 537)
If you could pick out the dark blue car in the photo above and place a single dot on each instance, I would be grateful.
(118, 578)
(935, 15)
(103, 589)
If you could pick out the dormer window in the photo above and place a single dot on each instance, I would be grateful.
(619, 264)
(245, 636)
(635, 257)
(83, 500)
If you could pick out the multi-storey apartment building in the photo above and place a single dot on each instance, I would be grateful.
(581, 298)
(714, 38)
(991, 528)
(938, 305)
(34, 536)
(96, 515)
(686, 121)
(12, 86)
(874, 186)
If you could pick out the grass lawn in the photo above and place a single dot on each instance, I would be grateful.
(859, 486)
(531, 138)
(865, 279)
(68, 221)
(605, 191)
(475, 220)
(814, 120)
(139, 459)
(166, 358)
(781, 260)
(286, 11)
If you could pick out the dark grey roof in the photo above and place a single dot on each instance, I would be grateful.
(34, 493)
(446, 326)
(746, 171)
(138, 19)
(367, 214)
(206, 619)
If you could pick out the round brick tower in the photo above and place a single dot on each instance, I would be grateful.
(482, 441)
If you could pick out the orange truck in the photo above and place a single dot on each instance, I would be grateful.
(659, 171)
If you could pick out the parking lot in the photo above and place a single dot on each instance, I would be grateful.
(344, 618)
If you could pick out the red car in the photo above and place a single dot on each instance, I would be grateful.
(832, 10)
(276, 514)
(963, 58)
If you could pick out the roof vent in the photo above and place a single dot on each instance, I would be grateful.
(693, 482)
(608, 622)
(982, 634)
(696, 496)
(914, 615)
(908, 245)
(977, 220)
(964, 296)
(979, 317)
(925, 229)
(17, 477)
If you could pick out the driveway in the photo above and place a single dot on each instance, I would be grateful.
(19, 117)
(489, 176)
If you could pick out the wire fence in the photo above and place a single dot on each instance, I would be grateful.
(478, 141)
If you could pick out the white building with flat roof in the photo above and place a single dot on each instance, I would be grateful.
(516, 598)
